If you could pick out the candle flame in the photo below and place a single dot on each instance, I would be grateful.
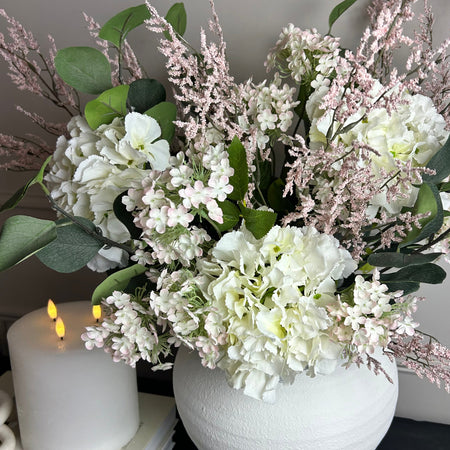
(97, 311)
(60, 328)
(51, 310)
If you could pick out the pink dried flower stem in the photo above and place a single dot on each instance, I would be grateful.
(425, 356)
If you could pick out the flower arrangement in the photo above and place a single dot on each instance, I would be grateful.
(274, 228)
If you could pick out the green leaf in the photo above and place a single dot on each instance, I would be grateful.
(144, 94)
(72, 249)
(238, 161)
(120, 211)
(230, 215)
(177, 17)
(394, 259)
(440, 162)
(422, 273)
(21, 237)
(258, 222)
(165, 114)
(275, 197)
(407, 287)
(108, 105)
(337, 12)
(84, 68)
(118, 281)
(117, 28)
(428, 200)
(20, 193)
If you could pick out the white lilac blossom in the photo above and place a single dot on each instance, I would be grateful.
(93, 167)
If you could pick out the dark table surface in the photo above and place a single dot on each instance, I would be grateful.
(404, 434)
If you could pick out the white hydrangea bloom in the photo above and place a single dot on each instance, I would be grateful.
(92, 168)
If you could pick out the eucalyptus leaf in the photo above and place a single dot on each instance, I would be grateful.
(144, 94)
(117, 28)
(118, 281)
(337, 12)
(23, 236)
(177, 17)
(108, 105)
(84, 68)
(408, 287)
(238, 161)
(440, 163)
(428, 200)
(20, 193)
(395, 259)
(258, 222)
(230, 215)
(421, 273)
(72, 249)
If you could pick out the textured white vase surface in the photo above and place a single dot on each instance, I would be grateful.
(349, 409)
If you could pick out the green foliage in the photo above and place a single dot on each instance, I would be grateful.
(108, 105)
(20, 193)
(118, 281)
(117, 28)
(177, 17)
(120, 211)
(428, 200)
(23, 236)
(144, 94)
(258, 222)
(412, 276)
(72, 249)
(275, 197)
(238, 161)
(165, 114)
(394, 259)
(230, 215)
(84, 68)
(440, 162)
(337, 12)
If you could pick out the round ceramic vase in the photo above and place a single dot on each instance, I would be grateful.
(349, 409)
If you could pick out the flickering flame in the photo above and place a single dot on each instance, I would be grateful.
(60, 328)
(97, 311)
(51, 310)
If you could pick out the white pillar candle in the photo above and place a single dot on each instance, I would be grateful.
(68, 397)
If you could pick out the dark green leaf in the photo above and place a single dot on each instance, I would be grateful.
(258, 222)
(176, 16)
(440, 163)
(408, 287)
(230, 215)
(72, 249)
(428, 200)
(394, 259)
(422, 273)
(108, 105)
(84, 68)
(21, 237)
(125, 217)
(275, 197)
(117, 28)
(20, 194)
(337, 12)
(238, 161)
(118, 281)
(144, 94)
(165, 114)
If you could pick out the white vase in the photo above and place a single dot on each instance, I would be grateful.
(349, 409)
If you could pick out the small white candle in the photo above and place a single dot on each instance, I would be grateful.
(68, 397)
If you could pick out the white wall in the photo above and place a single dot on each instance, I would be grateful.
(251, 27)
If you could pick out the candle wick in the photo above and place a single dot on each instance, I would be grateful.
(54, 319)
(62, 338)
(96, 320)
